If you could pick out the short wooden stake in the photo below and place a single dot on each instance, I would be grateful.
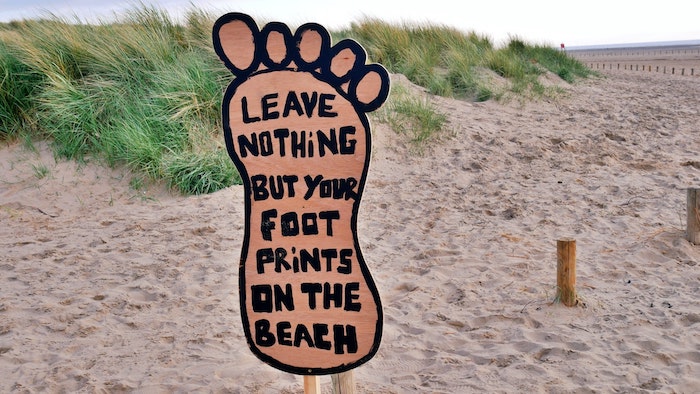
(566, 271)
(693, 215)
(343, 383)
(312, 384)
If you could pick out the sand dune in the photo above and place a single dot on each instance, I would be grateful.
(107, 289)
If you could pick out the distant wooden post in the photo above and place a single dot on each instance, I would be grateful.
(693, 217)
(343, 383)
(566, 271)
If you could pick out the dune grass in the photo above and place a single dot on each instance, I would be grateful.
(412, 115)
(142, 91)
(451, 63)
(18, 86)
(145, 92)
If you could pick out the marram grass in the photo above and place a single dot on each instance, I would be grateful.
(145, 92)
(142, 92)
(412, 115)
(449, 63)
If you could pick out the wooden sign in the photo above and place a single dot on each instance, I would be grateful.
(295, 126)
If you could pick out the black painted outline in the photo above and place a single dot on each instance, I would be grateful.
(320, 69)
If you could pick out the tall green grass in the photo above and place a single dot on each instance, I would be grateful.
(145, 92)
(451, 63)
(412, 115)
(18, 85)
(142, 91)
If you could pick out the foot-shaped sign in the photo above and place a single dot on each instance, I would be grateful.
(296, 128)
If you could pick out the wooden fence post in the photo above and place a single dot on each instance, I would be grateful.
(693, 217)
(566, 271)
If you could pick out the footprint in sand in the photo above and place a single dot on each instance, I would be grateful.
(295, 126)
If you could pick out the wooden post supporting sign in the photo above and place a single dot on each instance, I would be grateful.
(343, 383)
(312, 384)
(296, 128)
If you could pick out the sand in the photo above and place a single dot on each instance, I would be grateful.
(683, 60)
(104, 288)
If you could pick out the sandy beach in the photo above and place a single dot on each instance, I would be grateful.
(683, 60)
(108, 289)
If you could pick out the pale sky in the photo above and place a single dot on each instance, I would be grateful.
(589, 22)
